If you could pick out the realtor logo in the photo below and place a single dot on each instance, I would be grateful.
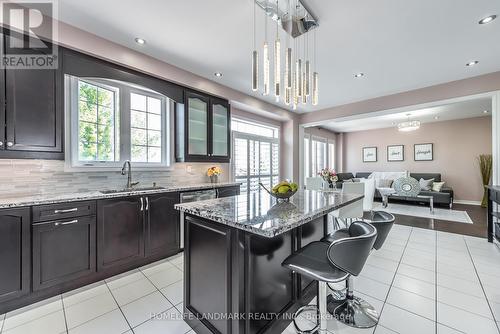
(29, 30)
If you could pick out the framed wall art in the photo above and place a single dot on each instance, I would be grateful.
(395, 153)
(369, 154)
(424, 152)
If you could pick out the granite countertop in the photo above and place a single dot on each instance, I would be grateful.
(13, 201)
(259, 212)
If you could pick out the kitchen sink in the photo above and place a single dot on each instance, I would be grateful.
(127, 190)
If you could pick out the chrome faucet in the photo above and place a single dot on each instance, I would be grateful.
(130, 184)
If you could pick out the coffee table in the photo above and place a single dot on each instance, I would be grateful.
(386, 195)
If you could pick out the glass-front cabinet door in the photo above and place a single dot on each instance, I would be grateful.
(197, 127)
(220, 133)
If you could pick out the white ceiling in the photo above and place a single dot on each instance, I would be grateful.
(400, 45)
(460, 110)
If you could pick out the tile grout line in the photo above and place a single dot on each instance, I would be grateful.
(121, 311)
(482, 287)
(64, 313)
(159, 290)
(392, 282)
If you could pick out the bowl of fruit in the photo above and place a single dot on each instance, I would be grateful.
(283, 190)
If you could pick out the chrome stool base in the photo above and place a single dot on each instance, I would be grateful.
(337, 294)
(353, 312)
(314, 329)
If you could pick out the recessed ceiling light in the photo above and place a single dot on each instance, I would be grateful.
(487, 19)
(140, 41)
(359, 75)
(218, 74)
(436, 117)
(485, 111)
(472, 63)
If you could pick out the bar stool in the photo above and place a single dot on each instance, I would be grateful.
(343, 302)
(331, 263)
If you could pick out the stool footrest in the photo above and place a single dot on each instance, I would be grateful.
(305, 308)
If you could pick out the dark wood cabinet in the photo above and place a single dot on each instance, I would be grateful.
(14, 253)
(32, 112)
(63, 250)
(203, 129)
(162, 224)
(120, 232)
(228, 191)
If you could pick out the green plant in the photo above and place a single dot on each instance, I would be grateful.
(485, 166)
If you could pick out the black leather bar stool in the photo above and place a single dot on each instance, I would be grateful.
(332, 263)
(346, 307)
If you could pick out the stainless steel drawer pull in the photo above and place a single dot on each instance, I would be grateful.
(142, 204)
(66, 210)
(66, 223)
(147, 203)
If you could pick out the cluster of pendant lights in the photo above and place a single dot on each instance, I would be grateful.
(296, 87)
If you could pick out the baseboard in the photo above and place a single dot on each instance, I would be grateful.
(462, 201)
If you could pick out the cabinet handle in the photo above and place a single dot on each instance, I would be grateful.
(10, 144)
(1, 143)
(74, 221)
(66, 210)
(147, 203)
(142, 204)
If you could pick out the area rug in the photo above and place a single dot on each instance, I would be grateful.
(424, 212)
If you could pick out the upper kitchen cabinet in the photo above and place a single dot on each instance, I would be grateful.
(32, 114)
(202, 129)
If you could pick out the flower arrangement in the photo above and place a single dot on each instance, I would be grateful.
(214, 171)
(328, 175)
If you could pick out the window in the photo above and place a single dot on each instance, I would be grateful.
(319, 153)
(255, 155)
(145, 128)
(111, 122)
(97, 118)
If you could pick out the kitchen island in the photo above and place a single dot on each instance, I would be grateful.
(233, 278)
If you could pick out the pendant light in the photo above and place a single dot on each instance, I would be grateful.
(255, 57)
(277, 56)
(307, 90)
(315, 77)
(288, 62)
(266, 55)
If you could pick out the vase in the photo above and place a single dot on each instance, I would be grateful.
(214, 178)
(484, 202)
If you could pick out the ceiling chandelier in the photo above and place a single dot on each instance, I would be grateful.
(408, 125)
(300, 78)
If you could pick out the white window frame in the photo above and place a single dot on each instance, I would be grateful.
(308, 159)
(72, 163)
(247, 136)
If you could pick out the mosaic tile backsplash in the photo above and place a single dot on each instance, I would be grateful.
(38, 177)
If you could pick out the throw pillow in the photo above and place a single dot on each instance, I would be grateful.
(426, 184)
(384, 183)
(436, 186)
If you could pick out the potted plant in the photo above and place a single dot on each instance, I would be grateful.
(485, 166)
(329, 176)
(213, 173)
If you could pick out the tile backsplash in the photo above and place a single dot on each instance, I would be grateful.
(19, 177)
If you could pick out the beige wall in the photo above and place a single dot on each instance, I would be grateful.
(456, 147)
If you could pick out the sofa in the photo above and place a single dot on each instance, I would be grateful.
(443, 197)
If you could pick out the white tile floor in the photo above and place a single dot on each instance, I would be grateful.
(422, 282)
